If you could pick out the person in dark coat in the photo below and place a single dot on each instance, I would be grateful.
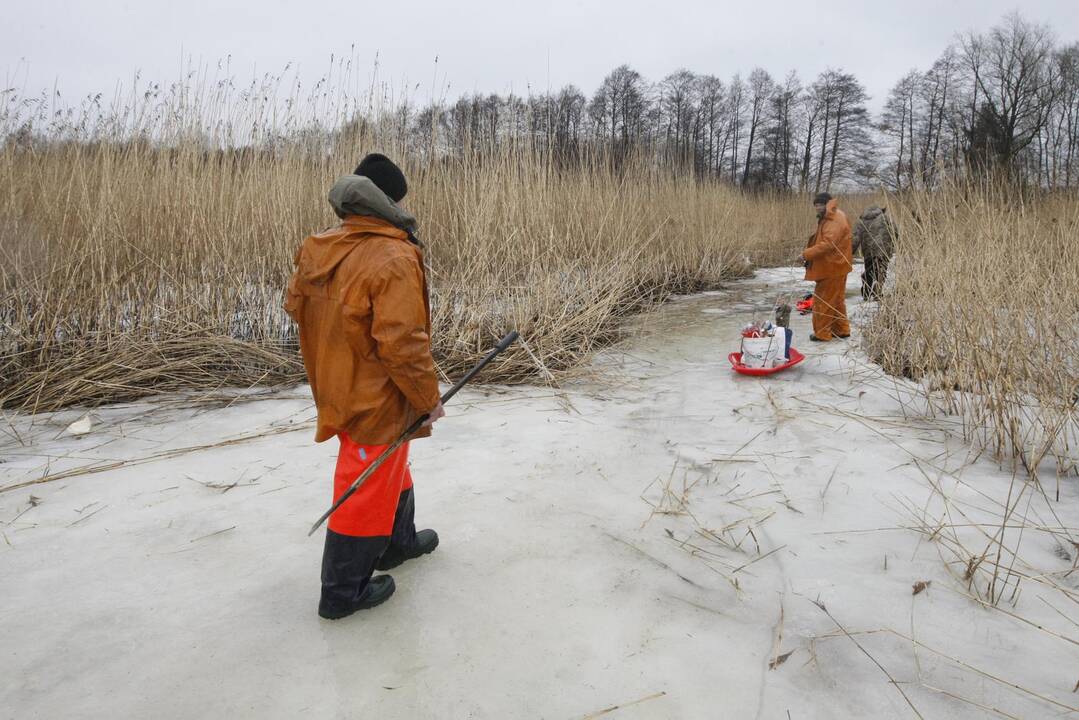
(875, 235)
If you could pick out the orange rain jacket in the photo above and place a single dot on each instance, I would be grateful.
(359, 295)
(829, 250)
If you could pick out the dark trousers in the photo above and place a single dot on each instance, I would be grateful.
(876, 271)
(348, 562)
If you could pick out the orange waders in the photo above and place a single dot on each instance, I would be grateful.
(830, 308)
(380, 513)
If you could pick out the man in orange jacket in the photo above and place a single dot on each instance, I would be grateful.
(828, 262)
(359, 295)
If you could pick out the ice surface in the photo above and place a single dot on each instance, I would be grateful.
(660, 532)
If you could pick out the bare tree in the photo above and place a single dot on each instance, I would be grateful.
(813, 108)
(677, 96)
(936, 90)
(736, 106)
(1068, 115)
(1014, 83)
(567, 114)
(712, 95)
(760, 90)
(897, 123)
(779, 133)
(618, 109)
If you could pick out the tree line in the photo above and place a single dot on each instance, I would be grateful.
(1005, 101)
(754, 132)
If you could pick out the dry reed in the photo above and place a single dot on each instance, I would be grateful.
(983, 313)
(146, 247)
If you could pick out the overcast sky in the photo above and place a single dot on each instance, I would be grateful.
(490, 45)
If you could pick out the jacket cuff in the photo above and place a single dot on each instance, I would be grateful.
(422, 399)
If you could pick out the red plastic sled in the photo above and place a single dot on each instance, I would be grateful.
(736, 362)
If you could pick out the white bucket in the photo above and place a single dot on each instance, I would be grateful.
(766, 352)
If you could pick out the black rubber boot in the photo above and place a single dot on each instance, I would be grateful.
(406, 543)
(404, 525)
(347, 565)
(426, 542)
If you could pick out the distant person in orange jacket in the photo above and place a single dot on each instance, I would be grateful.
(827, 259)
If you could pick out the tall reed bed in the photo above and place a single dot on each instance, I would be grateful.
(146, 246)
(985, 312)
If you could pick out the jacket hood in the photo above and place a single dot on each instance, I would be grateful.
(322, 254)
(358, 195)
(872, 212)
(830, 208)
(365, 209)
